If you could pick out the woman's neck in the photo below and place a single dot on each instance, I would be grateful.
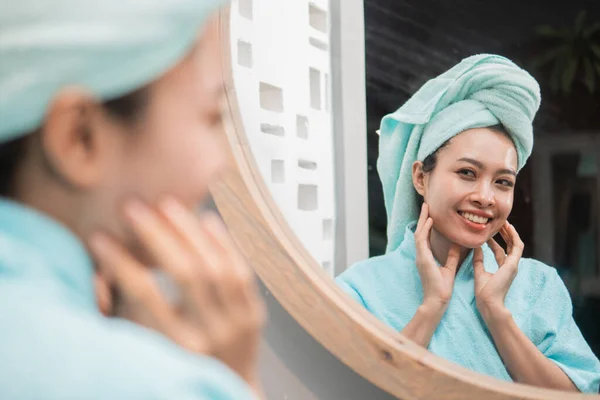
(440, 246)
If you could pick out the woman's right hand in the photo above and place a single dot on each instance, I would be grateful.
(221, 313)
(438, 282)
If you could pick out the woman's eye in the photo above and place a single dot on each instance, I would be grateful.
(506, 182)
(467, 172)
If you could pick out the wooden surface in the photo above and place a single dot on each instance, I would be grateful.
(380, 355)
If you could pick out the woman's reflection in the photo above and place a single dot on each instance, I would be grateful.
(453, 152)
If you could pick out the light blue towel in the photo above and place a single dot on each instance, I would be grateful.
(55, 344)
(109, 47)
(390, 288)
(481, 91)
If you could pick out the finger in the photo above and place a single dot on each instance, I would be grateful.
(103, 295)
(213, 246)
(422, 238)
(224, 274)
(227, 278)
(478, 268)
(162, 242)
(422, 218)
(218, 234)
(134, 283)
(187, 224)
(241, 278)
(506, 236)
(203, 300)
(518, 246)
(498, 251)
(453, 257)
(425, 258)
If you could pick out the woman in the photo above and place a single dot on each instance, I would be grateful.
(456, 146)
(110, 135)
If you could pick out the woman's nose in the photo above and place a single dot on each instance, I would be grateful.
(483, 195)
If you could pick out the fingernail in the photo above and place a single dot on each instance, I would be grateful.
(136, 210)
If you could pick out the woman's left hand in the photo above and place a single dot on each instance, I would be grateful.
(491, 289)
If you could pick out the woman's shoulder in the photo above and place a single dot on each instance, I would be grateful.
(533, 267)
(538, 276)
(376, 268)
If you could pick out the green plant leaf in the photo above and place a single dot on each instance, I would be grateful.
(589, 31)
(595, 49)
(579, 22)
(569, 75)
(551, 32)
(590, 75)
(548, 56)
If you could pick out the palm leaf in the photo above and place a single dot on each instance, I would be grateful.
(595, 49)
(551, 32)
(579, 22)
(588, 32)
(569, 75)
(590, 75)
(548, 56)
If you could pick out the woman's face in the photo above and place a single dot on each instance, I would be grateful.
(176, 148)
(470, 191)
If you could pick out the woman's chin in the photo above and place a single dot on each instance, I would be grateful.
(468, 242)
(465, 238)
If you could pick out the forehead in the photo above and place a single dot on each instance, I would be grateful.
(482, 144)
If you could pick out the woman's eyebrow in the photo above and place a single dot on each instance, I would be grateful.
(480, 165)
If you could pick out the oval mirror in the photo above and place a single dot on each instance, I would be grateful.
(304, 201)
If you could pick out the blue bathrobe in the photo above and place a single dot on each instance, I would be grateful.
(55, 344)
(390, 288)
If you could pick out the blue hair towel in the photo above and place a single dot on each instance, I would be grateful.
(481, 91)
(109, 47)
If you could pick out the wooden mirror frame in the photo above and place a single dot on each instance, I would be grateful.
(372, 349)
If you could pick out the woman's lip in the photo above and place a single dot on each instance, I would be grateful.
(473, 225)
(478, 213)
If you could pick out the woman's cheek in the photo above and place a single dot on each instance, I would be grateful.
(505, 204)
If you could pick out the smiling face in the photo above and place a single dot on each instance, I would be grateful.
(470, 191)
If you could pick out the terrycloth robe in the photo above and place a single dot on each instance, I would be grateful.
(390, 288)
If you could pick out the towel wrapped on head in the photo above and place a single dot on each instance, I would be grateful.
(481, 91)
(108, 47)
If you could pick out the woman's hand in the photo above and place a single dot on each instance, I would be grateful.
(221, 313)
(438, 282)
(491, 289)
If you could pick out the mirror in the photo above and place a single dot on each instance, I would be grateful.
(283, 136)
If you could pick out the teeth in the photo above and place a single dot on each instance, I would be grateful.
(474, 218)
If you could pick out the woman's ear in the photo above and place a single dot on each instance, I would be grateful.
(72, 139)
(418, 177)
